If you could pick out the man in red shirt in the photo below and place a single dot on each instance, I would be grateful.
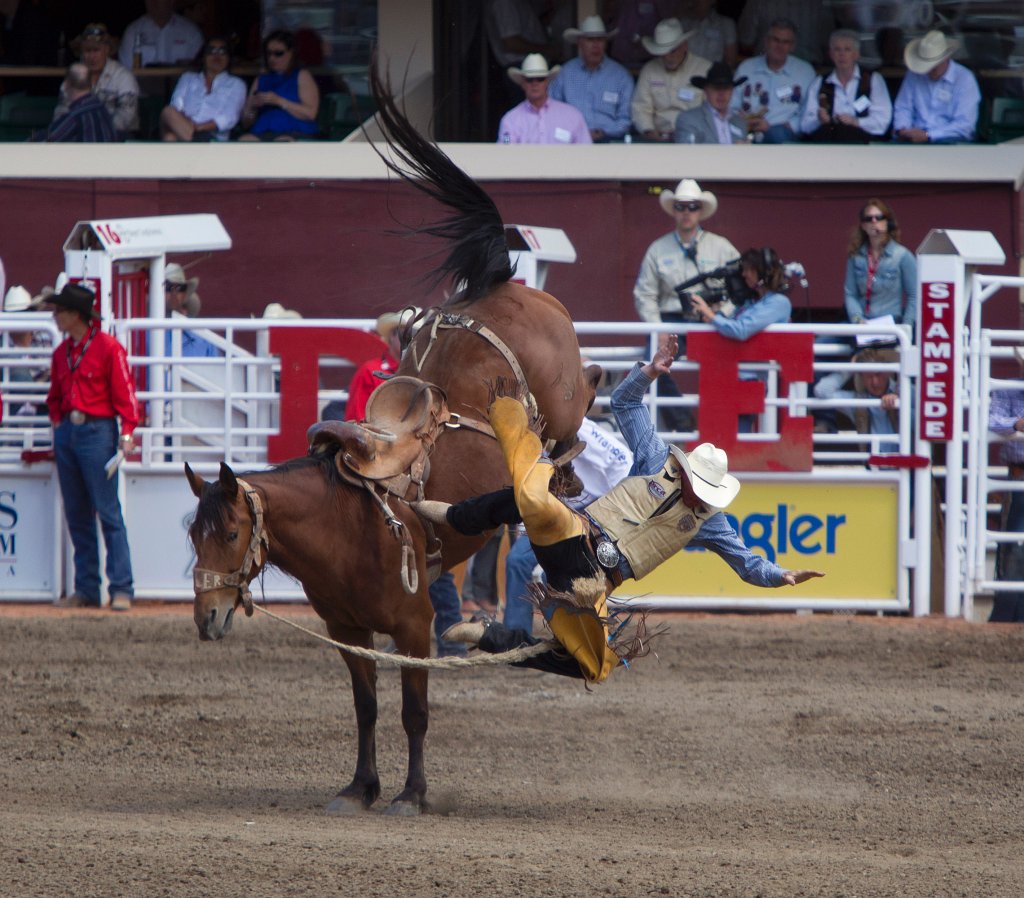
(90, 388)
(364, 380)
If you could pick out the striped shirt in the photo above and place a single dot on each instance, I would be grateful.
(86, 121)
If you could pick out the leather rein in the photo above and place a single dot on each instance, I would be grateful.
(204, 580)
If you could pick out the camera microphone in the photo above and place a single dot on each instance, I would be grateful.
(795, 270)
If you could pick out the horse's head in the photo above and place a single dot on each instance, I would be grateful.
(230, 542)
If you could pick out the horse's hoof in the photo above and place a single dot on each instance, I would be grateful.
(345, 806)
(403, 809)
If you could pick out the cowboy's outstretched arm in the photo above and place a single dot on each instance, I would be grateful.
(791, 578)
(663, 358)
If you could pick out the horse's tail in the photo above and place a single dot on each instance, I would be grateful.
(478, 259)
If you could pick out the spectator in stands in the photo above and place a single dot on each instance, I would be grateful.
(160, 37)
(540, 119)
(712, 35)
(515, 30)
(813, 22)
(86, 120)
(111, 82)
(1006, 418)
(663, 89)
(90, 388)
(850, 105)
(206, 104)
(713, 121)
(27, 369)
(777, 84)
(284, 101)
(182, 301)
(597, 86)
(938, 100)
(633, 20)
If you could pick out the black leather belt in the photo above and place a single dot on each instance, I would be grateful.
(77, 417)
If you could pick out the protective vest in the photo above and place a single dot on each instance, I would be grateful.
(646, 517)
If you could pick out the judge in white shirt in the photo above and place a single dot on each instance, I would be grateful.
(160, 37)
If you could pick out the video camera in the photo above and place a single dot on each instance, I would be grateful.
(729, 287)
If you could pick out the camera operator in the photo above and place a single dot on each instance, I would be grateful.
(765, 278)
(681, 255)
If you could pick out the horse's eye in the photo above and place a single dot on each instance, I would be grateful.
(232, 536)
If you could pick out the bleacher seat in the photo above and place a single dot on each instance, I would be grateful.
(339, 115)
(1002, 119)
(20, 115)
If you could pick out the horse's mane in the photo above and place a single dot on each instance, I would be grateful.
(210, 520)
(478, 259)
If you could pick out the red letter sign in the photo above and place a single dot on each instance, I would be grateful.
(938, 360)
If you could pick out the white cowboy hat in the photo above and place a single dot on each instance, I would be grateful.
(688, 191)
(534, 66)
(387, 322)
(668, 34)
(923, 54)
(707, 469)
(276, 310)
(17, 299)
(591, 26)
(175, 274)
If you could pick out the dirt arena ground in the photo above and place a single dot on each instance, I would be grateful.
(755, 756)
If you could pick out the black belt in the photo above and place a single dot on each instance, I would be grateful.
(77, 417)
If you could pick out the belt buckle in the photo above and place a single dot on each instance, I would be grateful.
(77, 417)
(607, 554)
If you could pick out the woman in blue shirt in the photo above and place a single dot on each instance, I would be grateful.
(881, 273)
(284, 101)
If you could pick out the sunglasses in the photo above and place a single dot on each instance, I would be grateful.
(175, 288)
(277, 53)
(869, 218)
(216, 51)
(535, 80)
(687, 207)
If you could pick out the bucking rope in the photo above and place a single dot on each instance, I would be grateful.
(389, 659)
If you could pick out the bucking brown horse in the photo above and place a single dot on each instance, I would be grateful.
(310, 521)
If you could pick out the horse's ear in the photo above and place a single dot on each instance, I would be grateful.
(194, 481)
(228, 482)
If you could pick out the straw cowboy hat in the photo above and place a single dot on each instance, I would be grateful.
(387, 322)
(668, 34)
(17, 299)
(534, 66)
(924, 53)
(707, 468)
(591, 26)
(94, 33)
(719, 75)
(276, 310)
(175, 274)
(688, 191)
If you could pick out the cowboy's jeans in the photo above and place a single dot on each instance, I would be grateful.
(447, 612)
(81, 452)
(519, 565)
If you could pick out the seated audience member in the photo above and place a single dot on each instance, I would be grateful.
(86, 120)
(633, 20)
(882, 385)
(813, 21)
(206, 104)
(284, 101)
(850, 105)
(515, 30)
(663, 89)
(115, 86)
(938, 100)
(597, 86)
(181, 300)
(539, 119)
(777, 84)
(712, 35)
(160, 37)
(712, 121)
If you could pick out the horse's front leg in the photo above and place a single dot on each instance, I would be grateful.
(413, 639)
(364, 789)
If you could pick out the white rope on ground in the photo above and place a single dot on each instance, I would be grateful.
(391, 660)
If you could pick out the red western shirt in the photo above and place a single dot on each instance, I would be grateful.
(92, 376)
(363, 383)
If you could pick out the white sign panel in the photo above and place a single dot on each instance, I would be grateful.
(30, 535)
(140, 237)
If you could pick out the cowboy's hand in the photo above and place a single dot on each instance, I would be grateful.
(890, 402)
(791, 578)
(663, 358)
(127, 443)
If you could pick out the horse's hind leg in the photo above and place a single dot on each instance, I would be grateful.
(414, 641)
(364, 789)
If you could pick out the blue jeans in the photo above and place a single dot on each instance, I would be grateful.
(447, 612)
(519, 565)
(81, 452)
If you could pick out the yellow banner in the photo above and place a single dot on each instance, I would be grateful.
(848, 530)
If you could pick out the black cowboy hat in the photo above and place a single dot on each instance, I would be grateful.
(73, 296)
(719, 75)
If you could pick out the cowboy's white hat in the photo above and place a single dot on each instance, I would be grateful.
(387, 322)
(17, 299)
(175, 274)
(534, 66)
(923, 54)
(591, 26)
(688, 191)
(668, 34)
(707, 469)
(276, 310)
